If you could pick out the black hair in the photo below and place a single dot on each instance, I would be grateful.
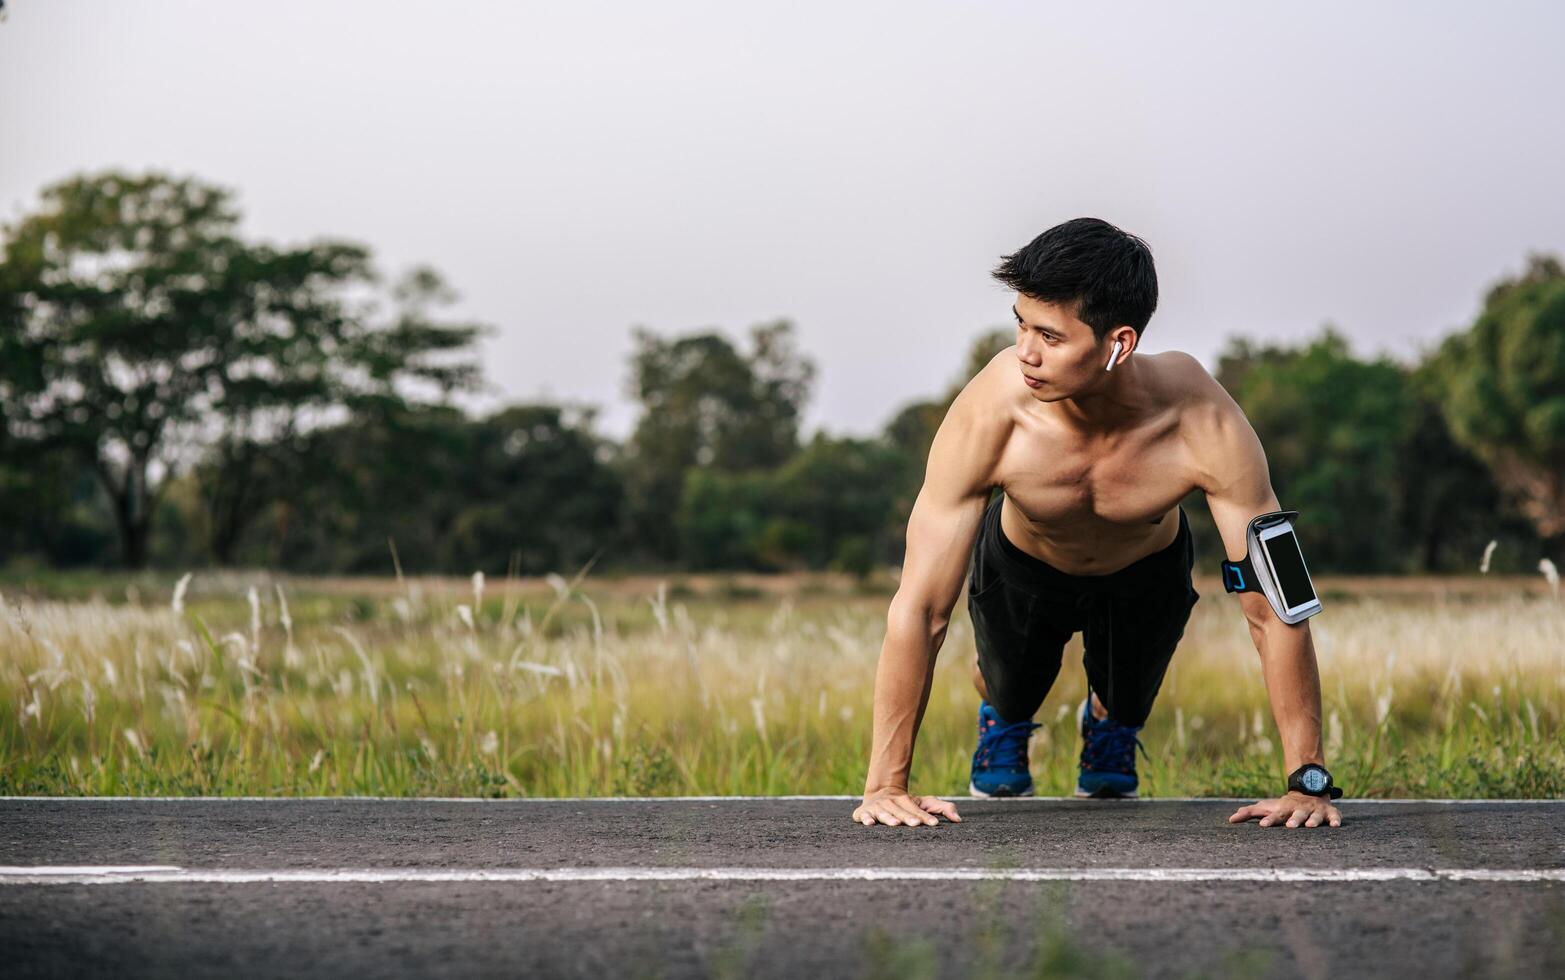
(1106, 272)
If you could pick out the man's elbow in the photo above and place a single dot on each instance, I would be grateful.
(918, 615)
(1258, 613)
(1263, 619)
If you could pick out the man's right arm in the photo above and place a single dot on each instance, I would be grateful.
(941, 529)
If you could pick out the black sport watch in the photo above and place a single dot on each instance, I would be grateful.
(1313, 780)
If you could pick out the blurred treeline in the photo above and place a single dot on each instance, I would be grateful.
(173, 394)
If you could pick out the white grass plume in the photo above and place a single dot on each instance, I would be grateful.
(254, 599)
(178, 603)
(291, 658)
(371, 681)
(134, 740)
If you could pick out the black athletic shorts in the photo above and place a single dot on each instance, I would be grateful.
(1024, 610)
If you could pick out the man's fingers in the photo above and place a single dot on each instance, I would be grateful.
(1254, 810)
(911, 814)
(887, 816)
(1276, 812)
(905, 809)
(870, 814)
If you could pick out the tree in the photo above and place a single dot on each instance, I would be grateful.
(1361, 450)
(538, 488)
(1503, 383)
(399, 475)
(828, 506)
(139, 328)
(1332, 427)
(54, 511)
(706, 404)
(329, 359)
(1450, 505)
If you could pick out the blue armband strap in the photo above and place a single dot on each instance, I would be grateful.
(1239, 576)
(1274, 566)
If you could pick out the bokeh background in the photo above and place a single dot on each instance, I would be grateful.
(515, 398)
(690, 285)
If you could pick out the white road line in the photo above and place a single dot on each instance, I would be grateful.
(92, 869)
(1012, 801)
(79, 875)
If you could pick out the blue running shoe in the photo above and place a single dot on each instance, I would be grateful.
(1108, 756)
(1000, 761)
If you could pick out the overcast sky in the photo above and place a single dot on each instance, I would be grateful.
(579, 168)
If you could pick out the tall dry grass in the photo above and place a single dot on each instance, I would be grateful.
(250, 686)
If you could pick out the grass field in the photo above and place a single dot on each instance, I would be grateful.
(257, 685)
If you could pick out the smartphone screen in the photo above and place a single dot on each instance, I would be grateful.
(1288, 562)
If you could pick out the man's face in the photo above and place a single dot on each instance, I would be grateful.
(1056, 349)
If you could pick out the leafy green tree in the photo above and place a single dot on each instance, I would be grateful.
(827, 507)
(54, 511)
(541, 496)
(706, 404)
(1361, 450)
(327, 358)
(139, 328)
(395, 477)
(1503, 386)
(839, 503)
(728, 520)
(1332, 426)
(527, 489)
(1450, 505)
(844, 490)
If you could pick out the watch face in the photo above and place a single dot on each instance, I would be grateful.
(1313, 780)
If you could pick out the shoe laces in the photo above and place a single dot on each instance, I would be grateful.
(1111, 747)
(1004, 745)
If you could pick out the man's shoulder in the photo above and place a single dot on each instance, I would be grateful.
(1187, 384)
(978, 423)
(1211, 424)
(1182, 372)
(982, 398)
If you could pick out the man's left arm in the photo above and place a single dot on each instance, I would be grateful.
(1238, 488)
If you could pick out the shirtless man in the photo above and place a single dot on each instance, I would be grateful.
(1093, 444)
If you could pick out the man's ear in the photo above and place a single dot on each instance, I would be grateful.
(1126, 335)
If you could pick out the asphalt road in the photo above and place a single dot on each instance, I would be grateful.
(785, 887)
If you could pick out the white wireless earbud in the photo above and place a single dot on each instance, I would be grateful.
(1113, 357)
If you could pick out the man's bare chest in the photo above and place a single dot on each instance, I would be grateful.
(1066, 484)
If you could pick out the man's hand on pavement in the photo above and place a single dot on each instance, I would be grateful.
(1298, 809)
(895, 807)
